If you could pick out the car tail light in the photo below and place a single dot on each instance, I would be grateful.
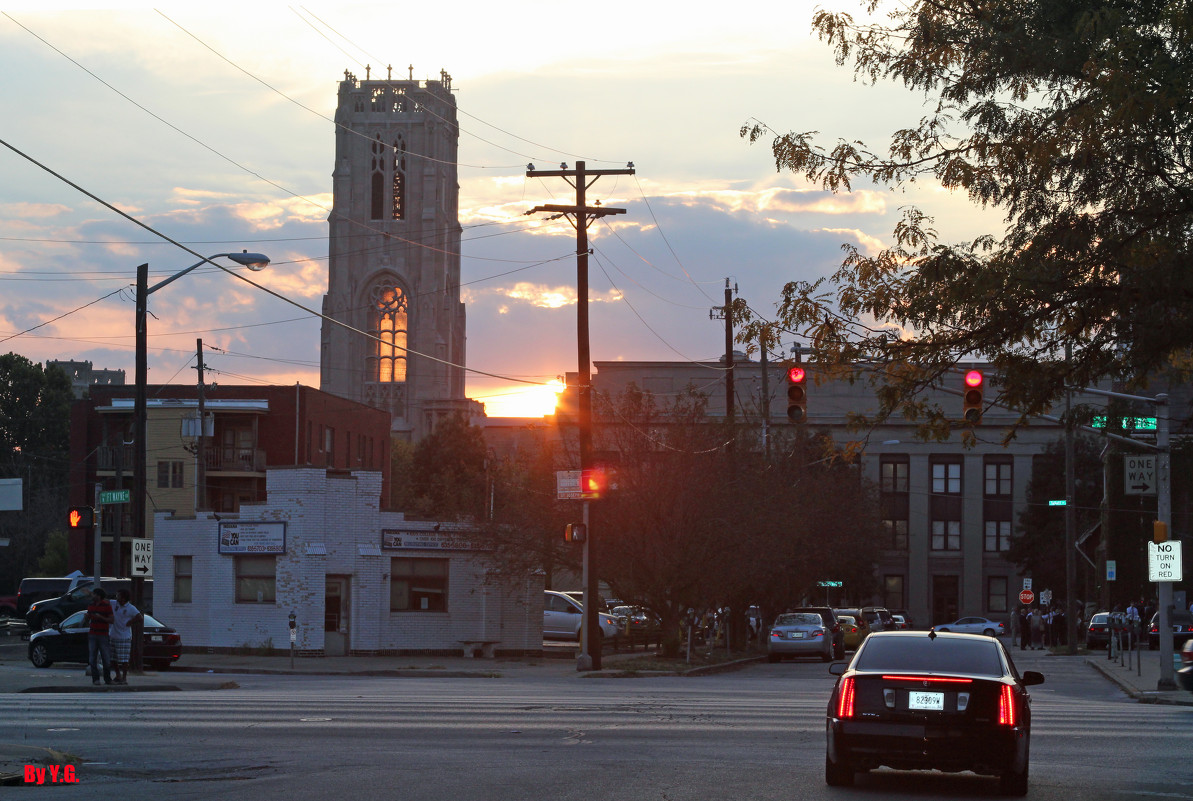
(818, 633)
(1006, 706)
(926, 679)
(778, 635)
(845, 699)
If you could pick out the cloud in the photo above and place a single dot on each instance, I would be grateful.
(33, 211)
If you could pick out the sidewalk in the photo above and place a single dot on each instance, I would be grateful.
(1138, 677)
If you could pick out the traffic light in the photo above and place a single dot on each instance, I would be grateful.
(81, 517)
(574, 532)
(797, 396)
(594, 483)
(972, 395)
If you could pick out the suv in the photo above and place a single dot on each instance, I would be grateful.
(887, 620)
(831, 624)
(48, 612)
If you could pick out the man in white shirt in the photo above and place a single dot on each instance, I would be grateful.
(121, 633)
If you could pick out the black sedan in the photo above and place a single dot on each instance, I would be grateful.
(67, 642)
(1182, 629)
(914, 700)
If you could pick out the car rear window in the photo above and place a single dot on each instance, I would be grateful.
(930, 654)
(799, 619)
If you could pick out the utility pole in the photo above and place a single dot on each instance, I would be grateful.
(765, 395)
(723, 313)
(200, 441)
(1070, 522)
(581, 216)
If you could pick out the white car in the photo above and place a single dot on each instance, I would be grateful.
(975, 625)
(563, 615)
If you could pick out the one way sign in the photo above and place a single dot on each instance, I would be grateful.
(1139, 475)
(142, 558)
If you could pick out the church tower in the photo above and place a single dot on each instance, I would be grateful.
(394, 269)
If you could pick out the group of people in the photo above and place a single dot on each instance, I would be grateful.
(110, 635)
(1039, 627)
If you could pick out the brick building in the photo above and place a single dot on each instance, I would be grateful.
(248, 429)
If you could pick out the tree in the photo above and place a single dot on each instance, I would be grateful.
(448, 480)
(1075, 117)
(34, 447)
(1038, 550)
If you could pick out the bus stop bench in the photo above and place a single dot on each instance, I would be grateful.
(487, 648)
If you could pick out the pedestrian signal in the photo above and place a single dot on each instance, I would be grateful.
(574, 532)
(81, 517)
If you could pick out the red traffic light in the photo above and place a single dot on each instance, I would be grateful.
(594, 483)
(797, 396)
(972, 397)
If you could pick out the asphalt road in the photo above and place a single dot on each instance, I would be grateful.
(754, 734)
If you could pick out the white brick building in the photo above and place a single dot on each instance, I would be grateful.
(357, 579)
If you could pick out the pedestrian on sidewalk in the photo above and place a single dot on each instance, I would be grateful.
(124, 614)
(1025, 628)
(99, 618)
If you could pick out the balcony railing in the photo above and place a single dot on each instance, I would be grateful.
(108, 456)
(244, 460)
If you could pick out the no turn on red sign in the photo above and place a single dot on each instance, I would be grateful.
(1026, 597)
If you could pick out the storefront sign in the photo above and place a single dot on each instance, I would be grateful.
(252, 537)
(393, 539)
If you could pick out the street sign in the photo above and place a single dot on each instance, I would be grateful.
(114, 496)
(1046, 597)
(830, 584)
(1058, 503)
(1111, 570)
(1027, 584)
(567, 485)
(1164, 561)
(1139, 474)
(142, 558)
(1026, 597)
(11, 495)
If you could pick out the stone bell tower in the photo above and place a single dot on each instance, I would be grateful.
(394, 269)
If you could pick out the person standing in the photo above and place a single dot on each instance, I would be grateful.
(124, 614)
(1025, 628)
(99, 619)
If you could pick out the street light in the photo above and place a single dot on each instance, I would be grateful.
(255, 262)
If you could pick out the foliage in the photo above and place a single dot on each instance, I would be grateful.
(694, 524)
(55, 560)
(401, 474)
(1074, 118)
(1038, 549)
(34, 447)
(448, 480)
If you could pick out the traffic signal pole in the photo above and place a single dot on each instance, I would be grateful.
(581, 216)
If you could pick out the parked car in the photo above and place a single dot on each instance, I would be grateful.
(853, 631)
(1182, 629)
(1184, 676)
(882, 614)
(906, 617)
(914, 700)
(831, 625)
(1097, 634)
(799, 634)
(45, 613)
(975, 625)
(67, 642)
(900, 623)
(8, 606)
(636, 621)
(563, 615)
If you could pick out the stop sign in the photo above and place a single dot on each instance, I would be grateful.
(1026, 597)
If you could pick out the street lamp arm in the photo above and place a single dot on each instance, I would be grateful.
(254, 261)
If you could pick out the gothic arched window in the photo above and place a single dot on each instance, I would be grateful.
(388, 323)
(399, 179)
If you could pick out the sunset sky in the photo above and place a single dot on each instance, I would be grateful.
(211, 123)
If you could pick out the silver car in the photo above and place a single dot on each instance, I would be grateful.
(975, 625)
(799, 634)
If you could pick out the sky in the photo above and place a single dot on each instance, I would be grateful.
(211, 123)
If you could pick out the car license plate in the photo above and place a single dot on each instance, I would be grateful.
(919, 700)
(155, 638)
(796, 635)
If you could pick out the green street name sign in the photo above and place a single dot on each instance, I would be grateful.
(114, 496)
(1058, 503)
(830, 584)
(1129, 423)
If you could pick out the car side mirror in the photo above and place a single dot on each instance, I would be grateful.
(838, 668)
(1031, 677)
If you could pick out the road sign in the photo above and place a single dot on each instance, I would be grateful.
(1026, 597)
(1164, 561)
(1111, 570)
(114, 496)
(830, 584)
(1027, 584)
(142, 558)
(567, 485)
(1139, 474)
(1046, 597)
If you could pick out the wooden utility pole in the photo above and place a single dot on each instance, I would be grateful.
(581, 216)
(200, 441)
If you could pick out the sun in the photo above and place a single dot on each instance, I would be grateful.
(531, 401)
